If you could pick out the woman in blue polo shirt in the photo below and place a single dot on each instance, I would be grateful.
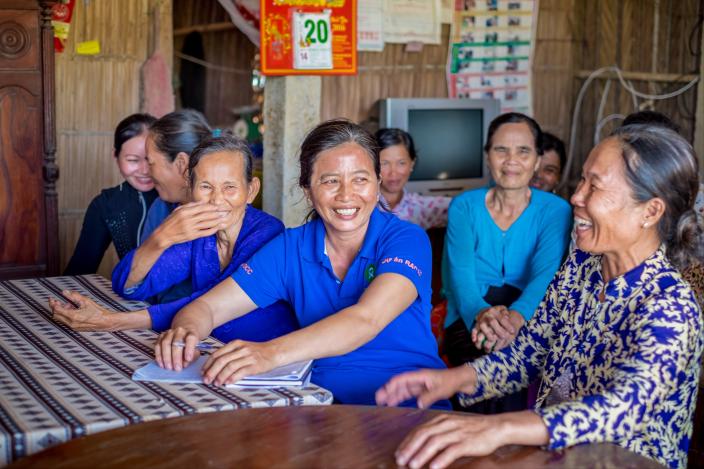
(358, 280)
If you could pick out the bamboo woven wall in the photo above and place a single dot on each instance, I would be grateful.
(93, 93)
(571, 36)
(396, 73)
(553, 66)
(228, 86)
(658, 37)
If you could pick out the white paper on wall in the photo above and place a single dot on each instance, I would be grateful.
(412, 21)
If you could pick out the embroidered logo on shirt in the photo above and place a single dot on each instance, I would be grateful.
(369, 273)
(405, 262)
(247, 269)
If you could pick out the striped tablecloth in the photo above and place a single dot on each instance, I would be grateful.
(57, 384)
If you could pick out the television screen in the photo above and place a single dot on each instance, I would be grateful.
(448, 142)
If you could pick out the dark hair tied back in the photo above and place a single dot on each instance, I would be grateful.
(330, 134)
(179, 132)
(224, 142)
(515, 118)
(661, 163)
(386, 138)
(130, 127)
(552, 143)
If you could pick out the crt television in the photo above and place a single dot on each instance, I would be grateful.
(449, 138)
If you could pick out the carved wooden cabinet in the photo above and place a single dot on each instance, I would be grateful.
(28, 172)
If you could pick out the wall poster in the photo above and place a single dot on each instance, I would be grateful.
(491, 51)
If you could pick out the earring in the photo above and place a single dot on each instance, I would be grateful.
(644, 225)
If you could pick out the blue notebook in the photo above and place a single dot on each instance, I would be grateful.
(295, 374)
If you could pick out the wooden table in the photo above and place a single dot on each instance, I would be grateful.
(57, 384)
(306, 437)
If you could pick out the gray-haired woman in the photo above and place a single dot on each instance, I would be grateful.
(617, 338)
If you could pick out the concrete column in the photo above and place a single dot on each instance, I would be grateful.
(291, 109)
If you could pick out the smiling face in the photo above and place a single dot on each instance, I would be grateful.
(344, 189)
(608, 220)
(169, 177)
(396, 168)
(132, 163)
(219, 179)
(547, 176)
(512, 157)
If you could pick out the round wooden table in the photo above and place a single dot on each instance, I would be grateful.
(327, 436)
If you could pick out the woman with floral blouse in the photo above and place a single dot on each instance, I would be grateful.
(397, 156)
(618, 335)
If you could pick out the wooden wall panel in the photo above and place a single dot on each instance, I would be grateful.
(21, 182)
(228, 83)
(639, 36)
(28, 205)
(553, 66)
(231, 88)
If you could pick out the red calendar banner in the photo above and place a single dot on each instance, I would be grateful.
(308, 37)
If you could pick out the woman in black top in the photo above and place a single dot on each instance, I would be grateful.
(118, 213)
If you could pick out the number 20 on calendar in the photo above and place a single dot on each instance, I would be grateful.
(312, 40)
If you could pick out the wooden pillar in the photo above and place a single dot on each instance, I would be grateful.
(50, 171)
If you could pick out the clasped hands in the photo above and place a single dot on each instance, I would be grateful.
(176, 349)
(495, 328)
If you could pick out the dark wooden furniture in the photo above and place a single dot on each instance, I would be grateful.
(335, 436)
(28, 172)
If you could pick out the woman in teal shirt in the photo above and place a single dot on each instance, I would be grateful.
(503, 246)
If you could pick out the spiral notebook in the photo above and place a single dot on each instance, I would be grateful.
(295, 374)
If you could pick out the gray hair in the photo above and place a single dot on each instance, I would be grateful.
(661, 163)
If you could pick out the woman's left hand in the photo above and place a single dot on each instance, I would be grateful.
(448, 437)
(88, 316)
(238, 359)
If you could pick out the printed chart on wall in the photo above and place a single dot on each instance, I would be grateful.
(308, 37)
(490, 51)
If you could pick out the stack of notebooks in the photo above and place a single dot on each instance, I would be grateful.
(295, 374)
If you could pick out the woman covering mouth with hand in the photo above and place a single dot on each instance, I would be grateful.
(220, 174)
(358, 280)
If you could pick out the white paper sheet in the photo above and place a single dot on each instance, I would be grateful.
(370, 36)
(412, 21)
(295, 374)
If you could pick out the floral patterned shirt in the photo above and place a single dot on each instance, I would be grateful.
(622, 370)
(424, 210)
